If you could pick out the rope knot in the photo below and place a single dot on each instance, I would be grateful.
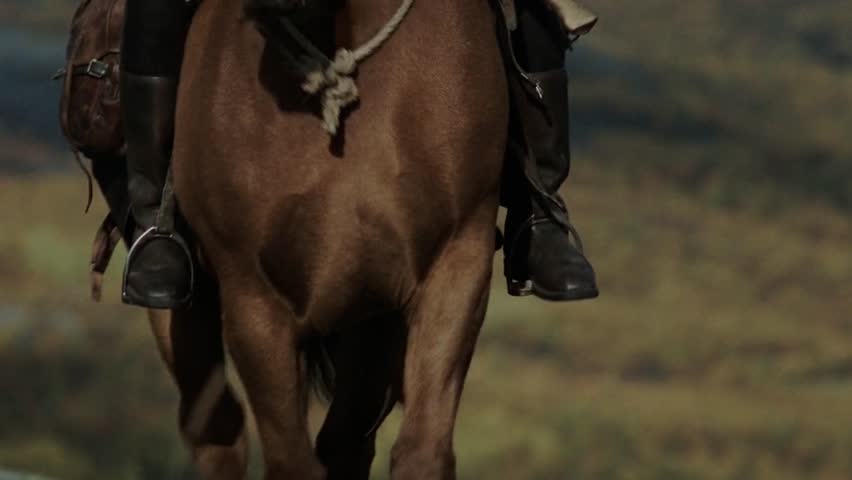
(337, 85)
(336, 82)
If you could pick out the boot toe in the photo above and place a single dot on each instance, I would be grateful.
(562, 284)
(557, 269)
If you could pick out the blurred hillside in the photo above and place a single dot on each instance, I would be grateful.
(43, 16)
(712, 185)
(744, 102)
(29, 122)
(724, 96)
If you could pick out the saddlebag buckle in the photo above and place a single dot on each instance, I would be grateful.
(97, 69)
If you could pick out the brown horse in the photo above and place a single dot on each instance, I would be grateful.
(372, 251)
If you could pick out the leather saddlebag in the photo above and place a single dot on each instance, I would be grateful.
(89, 109)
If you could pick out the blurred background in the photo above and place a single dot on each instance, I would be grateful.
(713, 186)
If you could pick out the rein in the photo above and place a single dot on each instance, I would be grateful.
(332, 79)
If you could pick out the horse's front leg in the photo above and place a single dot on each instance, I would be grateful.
(444, 320)
(261, 333)
(211, 419)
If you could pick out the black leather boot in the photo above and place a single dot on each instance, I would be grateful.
(158, 272)
(544, 254)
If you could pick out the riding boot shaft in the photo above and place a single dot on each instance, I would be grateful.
(154, 36)
(158, 272)
(149, 129)
(540, 44)
(543, 251)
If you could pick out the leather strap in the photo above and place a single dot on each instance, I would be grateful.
(166, 213)
(106, 239)
(95, 68)
(510, 14)
(297, 51)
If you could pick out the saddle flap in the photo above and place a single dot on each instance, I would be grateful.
(576, 19)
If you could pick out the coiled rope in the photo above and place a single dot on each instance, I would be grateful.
(336, 83)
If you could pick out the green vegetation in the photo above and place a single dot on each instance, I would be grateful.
(720, 350)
